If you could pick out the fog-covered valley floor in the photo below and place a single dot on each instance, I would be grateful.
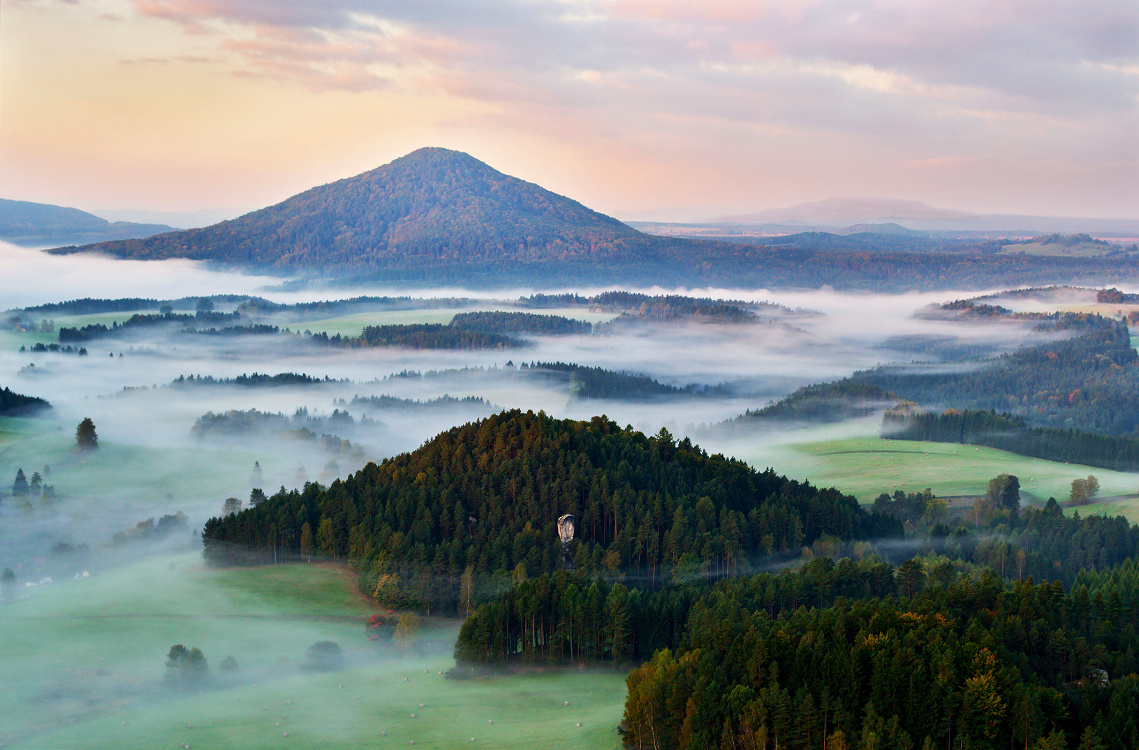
(108, 569)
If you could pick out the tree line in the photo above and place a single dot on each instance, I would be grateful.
(139, 320)
(520, 323)
(1011, 433)
(14, 404)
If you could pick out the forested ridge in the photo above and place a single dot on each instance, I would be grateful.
(1088, 382)
(485, 498)
(937, 649)
(823, 402)
(253, 380)
(432, 336)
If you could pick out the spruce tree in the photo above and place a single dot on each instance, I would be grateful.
(20, 486)
(85, 437)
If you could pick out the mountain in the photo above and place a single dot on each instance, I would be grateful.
(844, 211)
(438, 217)
(432, 207)
(43, 225)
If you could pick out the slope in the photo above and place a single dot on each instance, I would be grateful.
(38, 224)
(431, 207)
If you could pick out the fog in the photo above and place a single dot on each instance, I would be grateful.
(151, 465)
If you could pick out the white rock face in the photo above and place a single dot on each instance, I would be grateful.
(565, 529)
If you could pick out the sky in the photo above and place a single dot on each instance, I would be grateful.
(642, 109)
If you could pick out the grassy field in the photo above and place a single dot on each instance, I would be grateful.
(1058, 249)
(353, 325)
(866, 466)
(134, 474)
(88, 658)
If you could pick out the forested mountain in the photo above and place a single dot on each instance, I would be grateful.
(442, 217)
(25, 223)
(431, 207)
(421, 528)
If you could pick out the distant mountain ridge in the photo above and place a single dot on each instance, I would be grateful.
(437, 217)
(42, 224)
(431, 207)
(831, 214)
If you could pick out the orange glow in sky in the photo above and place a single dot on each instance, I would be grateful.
(643, 109)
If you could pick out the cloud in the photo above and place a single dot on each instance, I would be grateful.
(1010, 55)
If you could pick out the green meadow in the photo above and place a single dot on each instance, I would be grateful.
(90, 655)
(133, 473)
(354, 324)
(866, 466)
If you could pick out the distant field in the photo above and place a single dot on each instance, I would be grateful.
(353, 325)
(866, 466)
(89, 657)
(1078, 250)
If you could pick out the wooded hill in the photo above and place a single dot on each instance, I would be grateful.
(424, 528)
(430, 207)
(1089, 382)
(437, 217)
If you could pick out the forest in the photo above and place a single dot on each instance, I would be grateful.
(938, 649)
(394, 402)
(1088, 382)
(139, 320)
(528, 623)
(519, 323)
(482, 500)
(972, 664)
(252, 380)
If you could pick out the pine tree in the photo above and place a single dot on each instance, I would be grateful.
(85, 437)
(20, 486)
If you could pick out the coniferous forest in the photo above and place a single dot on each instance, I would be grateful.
(485, 498)
(944, 639)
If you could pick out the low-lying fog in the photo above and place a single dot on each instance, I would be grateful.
(150, 463)
(124, 382)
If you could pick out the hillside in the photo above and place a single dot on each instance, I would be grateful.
(41, 224)
(431, 207)
(486, 498)
(442, 217)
